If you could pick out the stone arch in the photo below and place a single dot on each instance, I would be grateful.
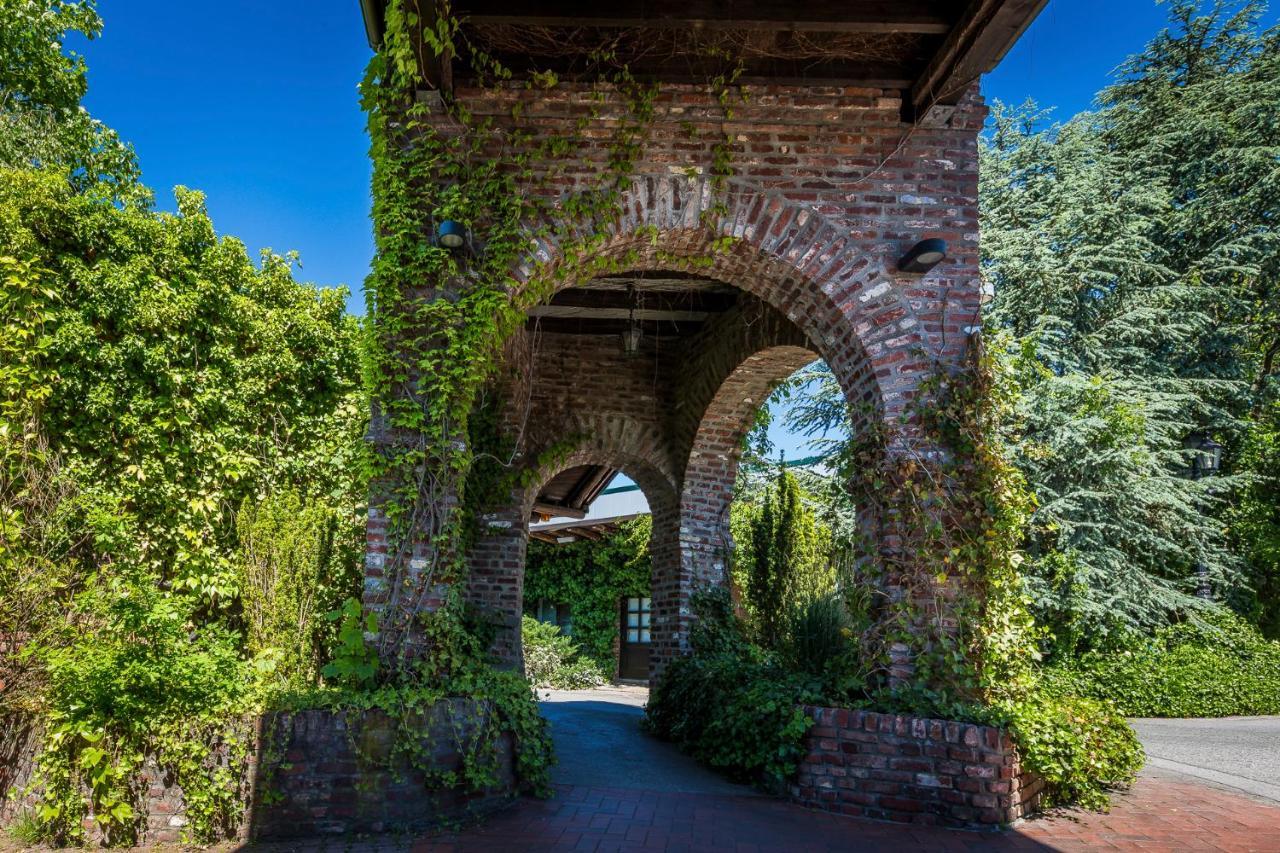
(497, 559)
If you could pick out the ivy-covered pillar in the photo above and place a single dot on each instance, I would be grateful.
(495, 577)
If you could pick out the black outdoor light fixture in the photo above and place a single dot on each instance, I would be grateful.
(923, 256)
(1207, 458)
(451, 234)
(631, 337)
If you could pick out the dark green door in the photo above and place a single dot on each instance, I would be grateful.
(633, 650)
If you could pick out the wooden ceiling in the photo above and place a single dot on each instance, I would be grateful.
(664, 305)
(571, 492)
(931, 50)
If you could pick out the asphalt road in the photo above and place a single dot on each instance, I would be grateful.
(1237, 752)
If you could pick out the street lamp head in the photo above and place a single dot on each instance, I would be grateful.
(1207, 454)
(451, 234)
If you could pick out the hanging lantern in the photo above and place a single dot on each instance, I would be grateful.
(631, 337)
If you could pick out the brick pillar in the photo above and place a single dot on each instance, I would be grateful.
(495, 582)
(670, 587)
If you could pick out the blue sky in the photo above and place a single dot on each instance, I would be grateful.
(255, 104)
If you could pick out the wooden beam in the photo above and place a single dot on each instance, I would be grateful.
(554, 510)
(696, 70)
(978, 41)
(657, 316)
(833, 16)
(654, 300)
(586, 489)
(597, 326)
(374, 12)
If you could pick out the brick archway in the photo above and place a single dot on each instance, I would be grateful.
(812, 238)
(497, 559)
(837, 288)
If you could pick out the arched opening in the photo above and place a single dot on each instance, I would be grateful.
(600, 579)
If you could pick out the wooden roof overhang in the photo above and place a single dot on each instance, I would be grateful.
(570, 493)
(568, 532)
(931, 50)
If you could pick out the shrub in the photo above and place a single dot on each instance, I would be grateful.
(731, 704)
(1217, 667)
(297, 561)
(1082, 748)
(553, 660)
(822, 639)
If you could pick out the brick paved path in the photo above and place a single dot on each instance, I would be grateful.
(1162, 812)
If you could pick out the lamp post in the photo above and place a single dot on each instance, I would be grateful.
(1208, 456)
(1206, 459)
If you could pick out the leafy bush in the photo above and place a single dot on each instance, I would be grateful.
(822, 639)
(298, 561)
(553, 660)
(1217, 667)
(1082, 748)
(133, 672)
(730, 704)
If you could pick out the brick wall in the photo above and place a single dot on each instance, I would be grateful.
(314, 773)
(914, 770)
(310, 773)
(829, 188)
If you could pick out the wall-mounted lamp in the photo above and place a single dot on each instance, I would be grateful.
(451, 234)
(923, 256)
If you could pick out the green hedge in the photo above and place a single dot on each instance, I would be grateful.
(1213, 668)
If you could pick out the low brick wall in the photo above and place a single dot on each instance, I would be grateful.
(910, 769)
(321, 775)
(309, 773)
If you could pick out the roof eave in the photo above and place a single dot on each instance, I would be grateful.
(373, 12)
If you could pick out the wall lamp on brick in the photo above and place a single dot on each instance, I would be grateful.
(923, 256)
(451, 234)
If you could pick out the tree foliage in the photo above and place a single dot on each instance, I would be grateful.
(42, 123)
(154, 382)
(1133, 253)
(788, 561)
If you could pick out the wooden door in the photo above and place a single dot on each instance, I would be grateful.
(633, 650)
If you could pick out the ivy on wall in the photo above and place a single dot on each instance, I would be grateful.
(591, 577)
